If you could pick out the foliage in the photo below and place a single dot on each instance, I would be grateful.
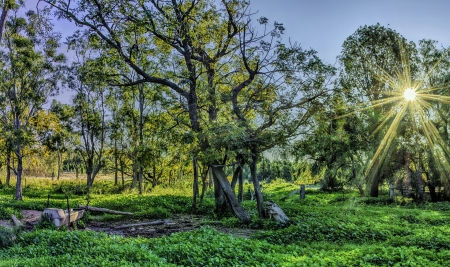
(325, 229)
(7, 237)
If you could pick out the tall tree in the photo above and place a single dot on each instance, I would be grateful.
(30, 71)
(89, 109)
(6, 6)
(206, 52)
(366, 55)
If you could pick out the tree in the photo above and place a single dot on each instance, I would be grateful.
(29, 74)
(366, 56)
(6, 6)
(209, 56)
(89, 111)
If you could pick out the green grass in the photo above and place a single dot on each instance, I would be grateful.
(325, 230)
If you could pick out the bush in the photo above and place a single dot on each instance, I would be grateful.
(7, 237)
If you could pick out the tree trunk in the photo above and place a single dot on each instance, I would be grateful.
(141, 135)
(222, 180)
(235, 179)
(116, 165)
(302, 191)
(135, 177)
(407, 173)
(210, 180)
(140, 176)
(8, 169)
(104, 210)
(433, 195)
(419, 183)
(3, 21)
(170, 177)
(204, 185)
(58, 174)
(122, 170)
(241, 186)
(19, 173)
(391, 191)
(195, 184)
(374, 183)
(220, 201)
(258, 195)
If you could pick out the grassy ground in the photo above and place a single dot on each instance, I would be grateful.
(325, 230)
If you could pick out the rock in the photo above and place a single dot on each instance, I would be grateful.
(276, 212)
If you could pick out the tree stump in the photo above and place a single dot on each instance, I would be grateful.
(391, 191)
(302, 191)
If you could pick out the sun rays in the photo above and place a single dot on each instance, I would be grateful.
(417, 99)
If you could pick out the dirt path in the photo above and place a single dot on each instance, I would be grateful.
(128, 228)
(178, 223)
(29, 218)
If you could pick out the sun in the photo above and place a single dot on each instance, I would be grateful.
(409, 94)
(413, 96)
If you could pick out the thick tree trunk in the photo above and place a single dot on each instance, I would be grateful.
(433, 195)
(222, 180)
(374, 183)
(195, 184)
(258, 194)
(89, 167)
(220, 201)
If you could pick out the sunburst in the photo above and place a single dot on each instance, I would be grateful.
(413, 97)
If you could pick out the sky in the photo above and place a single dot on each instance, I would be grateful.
(323, 25)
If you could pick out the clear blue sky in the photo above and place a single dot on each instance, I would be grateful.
(324, 24)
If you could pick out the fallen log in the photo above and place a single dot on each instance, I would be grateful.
(104, 210)
(158, 222)
(276, 212)
(290, 194)
(16, 221)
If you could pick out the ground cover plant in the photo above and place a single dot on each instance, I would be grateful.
(326, 229)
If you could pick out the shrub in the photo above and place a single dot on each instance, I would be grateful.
(7, 237)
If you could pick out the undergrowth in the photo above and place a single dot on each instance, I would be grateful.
(324, 230)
